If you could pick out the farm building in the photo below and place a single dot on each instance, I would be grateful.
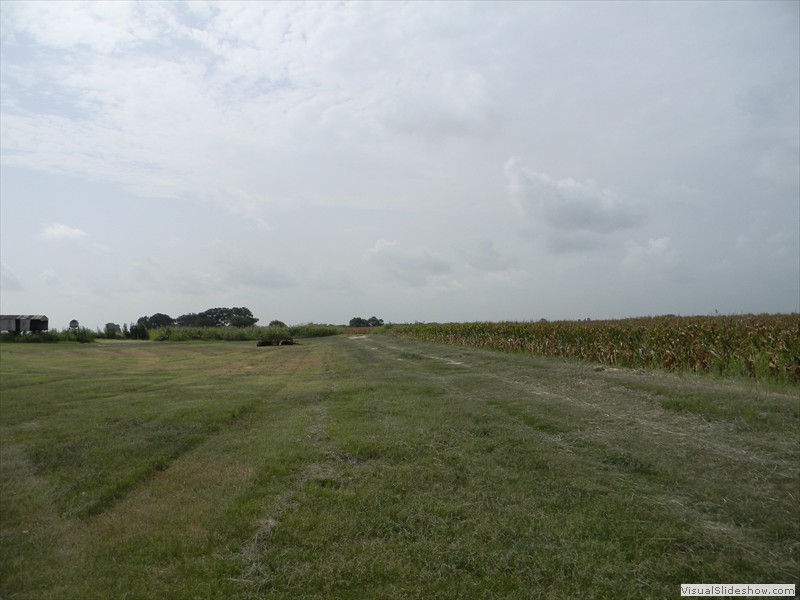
(23, 323)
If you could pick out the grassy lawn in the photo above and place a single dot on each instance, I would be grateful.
(371, 467)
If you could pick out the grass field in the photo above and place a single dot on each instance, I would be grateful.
(375, 467)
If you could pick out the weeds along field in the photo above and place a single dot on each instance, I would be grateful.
(186, 334)
(240, 334)
(758, 346)
(367, 466)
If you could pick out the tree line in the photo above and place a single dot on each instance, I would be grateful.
(240, 317)
(213, 317)
(361, 322)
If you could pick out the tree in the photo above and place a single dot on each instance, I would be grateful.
(276, 323)
(138, 331)
(218, 317)
(159, 321)
(361, 322)
(83, 335)
(241, 317)
(188, 320)
(211, 318)
(111, 330)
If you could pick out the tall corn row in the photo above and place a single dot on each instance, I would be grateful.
(754, 345)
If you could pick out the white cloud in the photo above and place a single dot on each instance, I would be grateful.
(412, 267)
(570, 215)
(241, 203)
(49, 277)
(568, 204)
(59, 231)
(780, 163)
(445, 105)
(654, 258)
(236, 267)
(100, 26)
(297, 134)
(9, 280)
(244, 104)
(170, 278)
(379, 246)
(483, 256)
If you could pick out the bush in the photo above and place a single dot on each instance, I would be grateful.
(310, 330)
(82, 335)
(241, 334)
(30, 338)
(112, 331)
(362, 322)
(274, 334)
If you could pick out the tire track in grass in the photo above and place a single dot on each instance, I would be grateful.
(168, 512)
(232, 418)
(255, 571)
(326, 466)
(224, 479)
(697, 469)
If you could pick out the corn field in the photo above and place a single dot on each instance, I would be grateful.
(759, 346)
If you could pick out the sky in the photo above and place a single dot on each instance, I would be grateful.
(420, 161)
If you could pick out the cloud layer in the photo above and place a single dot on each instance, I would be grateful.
(59, 231)
(424, 161)
(572, 215)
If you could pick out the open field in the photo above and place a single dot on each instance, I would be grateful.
(366, 466)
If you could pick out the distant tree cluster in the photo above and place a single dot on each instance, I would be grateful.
(157, 321)
(136, 331)
(361, 322)
(213, 317)
(112, 330)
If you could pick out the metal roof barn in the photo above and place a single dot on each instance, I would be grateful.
(23, 323)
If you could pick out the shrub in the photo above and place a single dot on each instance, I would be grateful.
(274, 334)
(81, 335)
(311, 330)
(31, 338)
(241, 334)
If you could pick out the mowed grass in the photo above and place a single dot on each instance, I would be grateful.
(371, 467)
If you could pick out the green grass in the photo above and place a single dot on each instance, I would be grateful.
(383, 468)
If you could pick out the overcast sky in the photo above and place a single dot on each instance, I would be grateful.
(449, 161)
